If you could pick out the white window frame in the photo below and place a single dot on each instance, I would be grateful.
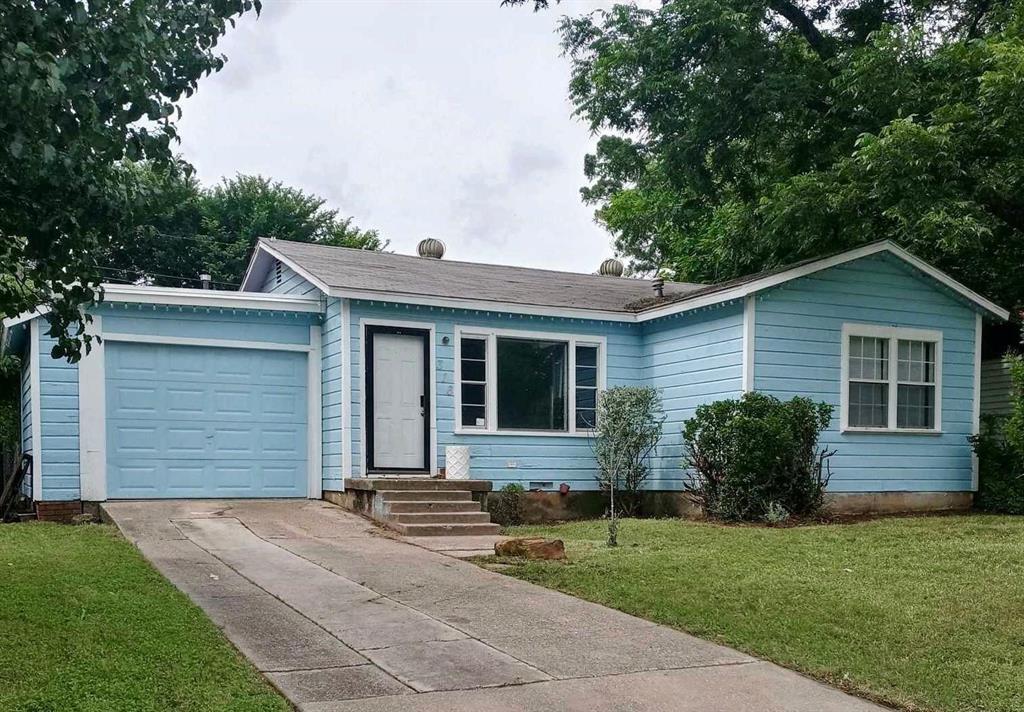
(894, 334)
(491, 393)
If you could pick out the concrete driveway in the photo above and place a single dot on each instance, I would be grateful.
(341, 617)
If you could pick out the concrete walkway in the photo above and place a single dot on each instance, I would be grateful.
(340, 617)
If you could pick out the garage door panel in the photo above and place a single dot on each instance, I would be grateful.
(138, 440)
(232, 402)
(205, 422)
(185, 402)
(184, 478)
(283, 403)
(185, 441)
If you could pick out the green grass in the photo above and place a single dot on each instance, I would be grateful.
(87, 624)
(923, 613)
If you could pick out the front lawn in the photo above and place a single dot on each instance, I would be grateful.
(923, 613)
(87, 624)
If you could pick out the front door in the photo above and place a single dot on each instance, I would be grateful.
(398, 402)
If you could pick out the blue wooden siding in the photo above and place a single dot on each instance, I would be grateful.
(331, 385)
(26, 413)
(501, 458)
(282, 279)
(58, 412)
(692, 358)
(26, 401)
(798, 335)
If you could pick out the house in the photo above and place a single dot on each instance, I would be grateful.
(332, 367)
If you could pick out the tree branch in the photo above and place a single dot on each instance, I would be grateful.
(802, 23)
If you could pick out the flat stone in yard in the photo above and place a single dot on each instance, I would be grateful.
(531, 548)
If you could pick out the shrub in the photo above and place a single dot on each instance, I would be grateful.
(1000, 451)
(1014, 428)
(1000, 471)
(757, 458)
(629, 426)
(506, 507)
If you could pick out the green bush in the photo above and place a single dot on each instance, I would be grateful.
(755, 458)
(506, 507)
(629, 426)
(1000, 451)
(1013, 431)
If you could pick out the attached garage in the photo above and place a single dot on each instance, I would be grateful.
(196, 421)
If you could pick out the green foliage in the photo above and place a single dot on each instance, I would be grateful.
(10, 404)
(506, 507)
(739, 136)
(1014, 430)
(186, 229)
(84, 87)
(753, 458)
(629, 426)
(1000, 451)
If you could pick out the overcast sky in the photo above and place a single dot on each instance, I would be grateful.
(439, 118)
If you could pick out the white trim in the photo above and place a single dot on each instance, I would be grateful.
(264, 245)
(13, 321)
(428, 326)
(92, 419)
(976, 403)
(749, 330)
(176, 296)
(491, 399)
(37, 422)
(257, 257)
(200, 298)
(314, 418)
(214, 343)
(757, 285)
(484, 305)
(346, 389)
(893, 334)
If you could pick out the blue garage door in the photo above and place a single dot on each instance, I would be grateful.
(190, 421)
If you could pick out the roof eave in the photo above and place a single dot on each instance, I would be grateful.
(483, 305)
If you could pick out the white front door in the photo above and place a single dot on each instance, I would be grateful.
(399, 397)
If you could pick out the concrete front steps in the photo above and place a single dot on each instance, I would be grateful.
(421, 507)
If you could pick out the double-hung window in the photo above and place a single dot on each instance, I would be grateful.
(892, 379)
(511, 381)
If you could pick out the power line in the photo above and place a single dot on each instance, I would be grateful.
(142, 273)
(198, 238)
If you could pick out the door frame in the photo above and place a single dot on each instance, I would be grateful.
(92, 402)
(418, 328)
(369, 332)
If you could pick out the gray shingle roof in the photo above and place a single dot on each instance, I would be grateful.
(360, 270)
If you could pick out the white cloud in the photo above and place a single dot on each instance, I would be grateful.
(444, 119)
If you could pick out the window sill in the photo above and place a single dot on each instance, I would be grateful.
(892, 431)
(525, 433)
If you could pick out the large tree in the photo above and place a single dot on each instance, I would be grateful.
(83, 87)
(183, 229)
(737, 135)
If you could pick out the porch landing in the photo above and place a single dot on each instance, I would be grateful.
(420, 507)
